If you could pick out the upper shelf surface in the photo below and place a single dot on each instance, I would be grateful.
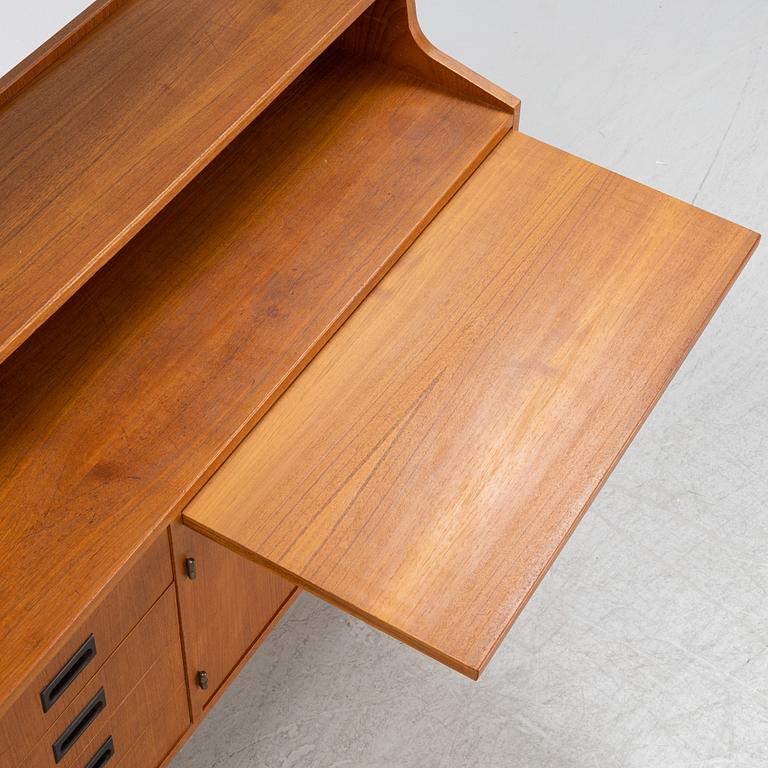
(428, 465)
(103, 138)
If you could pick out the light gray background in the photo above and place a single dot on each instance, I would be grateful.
(646, 645)
(26, 24)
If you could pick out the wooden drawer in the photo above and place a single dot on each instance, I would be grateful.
(156, 741)
(87, 648)
(140, 688)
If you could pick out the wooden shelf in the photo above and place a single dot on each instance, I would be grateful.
(429, 464)
(118, 408)
(100, 138)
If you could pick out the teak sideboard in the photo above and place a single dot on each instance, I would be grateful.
(288, 302)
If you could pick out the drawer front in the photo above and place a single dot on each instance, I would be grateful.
(137, 689)
(80, 658)
(154, 743)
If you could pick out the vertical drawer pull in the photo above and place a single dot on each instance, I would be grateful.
(103, 756)
(79, 725)
(68, 673)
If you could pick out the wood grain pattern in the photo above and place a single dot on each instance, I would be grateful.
(223, 611)
(389, 31)
(120, 407)
(25, 722)
(428, 465)
(92, 148)
(139, 681)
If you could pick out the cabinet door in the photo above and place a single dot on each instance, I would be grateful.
(226, 603)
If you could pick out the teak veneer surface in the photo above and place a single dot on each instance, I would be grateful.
(428, 465)
(119, 407)
(100, 140)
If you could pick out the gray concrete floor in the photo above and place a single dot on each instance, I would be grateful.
(646, 643)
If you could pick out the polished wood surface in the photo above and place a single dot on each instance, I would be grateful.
(427, 467)
(131, 597)
(106, 135)
(119, 407)
(139, 681)
(223, 610)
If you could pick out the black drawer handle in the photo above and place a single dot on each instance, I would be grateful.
(68, 673)
(79, 725)
(103, 756)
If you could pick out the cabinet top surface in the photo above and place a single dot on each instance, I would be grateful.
(429, 464)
